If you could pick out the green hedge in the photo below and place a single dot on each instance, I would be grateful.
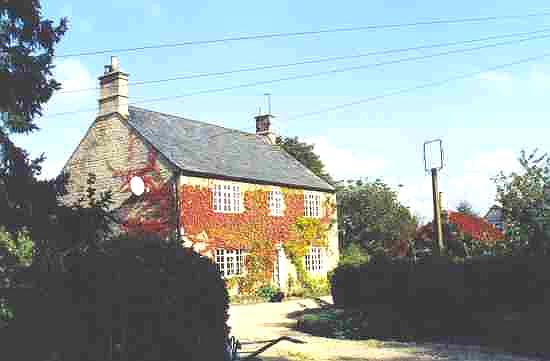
(142, 302)
(449, 293)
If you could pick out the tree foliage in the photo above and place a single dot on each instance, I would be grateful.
(521, 196)
(371, 211)
(466, 207)
(27, 43)
(305, 154)
(34, 205)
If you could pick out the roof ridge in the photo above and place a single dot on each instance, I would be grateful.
(249, 156)
(192, 120)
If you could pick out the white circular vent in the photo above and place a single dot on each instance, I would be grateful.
(137, 186)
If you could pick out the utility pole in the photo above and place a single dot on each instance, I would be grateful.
(434, 166)
(437, 212)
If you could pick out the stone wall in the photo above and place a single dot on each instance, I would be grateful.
(113, 153)
(200, 225)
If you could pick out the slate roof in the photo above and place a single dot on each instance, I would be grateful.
(198, 147)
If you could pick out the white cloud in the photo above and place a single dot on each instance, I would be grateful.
(155, 9)
(417, 195)
(496, 77)
(540, 76)
(472, 182)
(492, 162)
(72, 75)
(51, 168)
(475, 184)
(344, 163)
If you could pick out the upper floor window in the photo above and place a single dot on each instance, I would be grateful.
(227, 198)
(312, 204)
(230, 262)
(314, 259)
(275, 201)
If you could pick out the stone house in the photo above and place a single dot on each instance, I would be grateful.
(213, 188)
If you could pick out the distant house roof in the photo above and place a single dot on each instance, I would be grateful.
(478, 228)
(206, 149)
(494, 211)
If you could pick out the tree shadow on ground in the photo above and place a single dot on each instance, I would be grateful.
(306, 358)
(289, 324)
(322, 305)
(250, 348)
(471, 350)
(388, 358)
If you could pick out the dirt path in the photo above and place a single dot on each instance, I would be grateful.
(255, 324)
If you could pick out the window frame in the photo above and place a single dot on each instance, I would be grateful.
(230, 259)
(312, 204)
(227, 198)
(276, 202)
(314, 260)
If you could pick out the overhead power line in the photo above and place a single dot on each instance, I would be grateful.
(402, 91)
(340, 70)
(316, 74)
(438, 21)
(316, 61)
(420, 86)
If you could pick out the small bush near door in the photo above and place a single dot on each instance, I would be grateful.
(268, 292)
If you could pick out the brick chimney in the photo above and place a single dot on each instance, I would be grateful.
(263, 127)
(113, 94)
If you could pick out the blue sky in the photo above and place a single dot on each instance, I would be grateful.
(484, 121)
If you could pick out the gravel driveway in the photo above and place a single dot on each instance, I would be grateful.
(255, 324)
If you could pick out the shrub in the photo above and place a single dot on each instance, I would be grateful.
(353, 254)
(316, 286)
(132, 301)
(267, 292)
(343, 281)
(439, 295)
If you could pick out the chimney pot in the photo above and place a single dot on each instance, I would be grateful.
(263, 127)
(113, 94)
(114, 63)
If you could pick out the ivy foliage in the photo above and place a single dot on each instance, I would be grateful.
(256, 231)
(307, 232)
(259, 264)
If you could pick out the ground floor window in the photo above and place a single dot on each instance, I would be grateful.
(314, 259)
(230, 262)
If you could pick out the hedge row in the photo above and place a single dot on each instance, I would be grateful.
(450, 292)
(138, 303)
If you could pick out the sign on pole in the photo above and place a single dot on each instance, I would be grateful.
(433, 162)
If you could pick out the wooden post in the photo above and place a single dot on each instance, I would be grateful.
(440, 247)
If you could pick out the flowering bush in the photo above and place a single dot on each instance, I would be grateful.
(468, 227)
